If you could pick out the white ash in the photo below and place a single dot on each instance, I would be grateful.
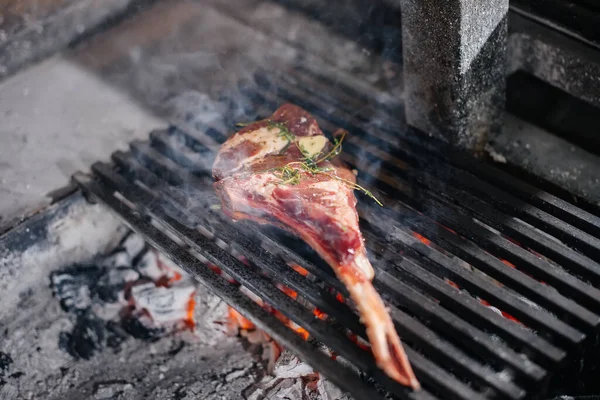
(192, 365)
(148, 266)
(110, 390)
(497, 157)
(279, 389)
(290, 366)
(82, 233)
(164, 305)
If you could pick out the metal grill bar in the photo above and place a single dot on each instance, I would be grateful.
(563, 331)
(156, 136)
(160, 137)
(406, 326)
(457, 346)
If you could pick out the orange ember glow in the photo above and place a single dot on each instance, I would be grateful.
(299, 269)
(300, 330)
(177, 277)
(448, 229)
(246, 328)
(423, 239)
(514, 241)
(504, 314)
(214, 268)
(508, 263)
(485, 303)
(291, 324)
(319, 314)
(239, 320)
(189, 320)
(361, 343)
(451, 283)
(290, 292)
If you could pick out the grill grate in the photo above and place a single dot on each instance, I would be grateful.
(530, 254)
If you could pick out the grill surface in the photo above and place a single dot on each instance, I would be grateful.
(498, 240)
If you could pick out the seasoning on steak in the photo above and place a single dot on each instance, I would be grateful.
(283, 171)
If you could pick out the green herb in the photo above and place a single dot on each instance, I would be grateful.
(215, 207)
(308, 163)
(288, 175)
(356, 186)
(336, 150)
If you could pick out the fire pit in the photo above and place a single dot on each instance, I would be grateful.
(461, 290)
(133, 283)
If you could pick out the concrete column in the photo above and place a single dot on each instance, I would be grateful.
(454, 68)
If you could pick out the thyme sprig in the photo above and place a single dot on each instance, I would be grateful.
(288, 175)
(309, 163)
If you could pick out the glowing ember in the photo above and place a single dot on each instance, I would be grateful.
(239, 321)
(319, 314)
(504, 314)
(299, 269)
(451, 283)
(219, 272)
(189, 321)
(239, 325)
(290, 292)
(214, 268)
(508, 263)
(164, 305)
(448, 229)
(485, 303)
(513, 241)
(359, 341)
(423, 239)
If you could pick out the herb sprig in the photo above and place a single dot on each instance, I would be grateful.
(309, 163)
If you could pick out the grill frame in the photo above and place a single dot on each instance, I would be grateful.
(164, 169)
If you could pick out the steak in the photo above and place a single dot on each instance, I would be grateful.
(283, 171)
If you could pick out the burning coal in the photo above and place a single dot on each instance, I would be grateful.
(133, 291)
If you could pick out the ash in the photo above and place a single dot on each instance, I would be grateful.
(294, 379)
(131, 325)
(133, 291)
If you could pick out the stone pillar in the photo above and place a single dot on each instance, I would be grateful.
(454, 68)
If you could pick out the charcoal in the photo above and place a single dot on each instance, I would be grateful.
(86, 338)
(113, 282)
(139, 330)
(74, 286)
(5, 361)
(116, 335)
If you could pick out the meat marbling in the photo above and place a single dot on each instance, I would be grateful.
(260, 176)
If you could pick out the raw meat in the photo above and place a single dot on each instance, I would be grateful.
(283, 171)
